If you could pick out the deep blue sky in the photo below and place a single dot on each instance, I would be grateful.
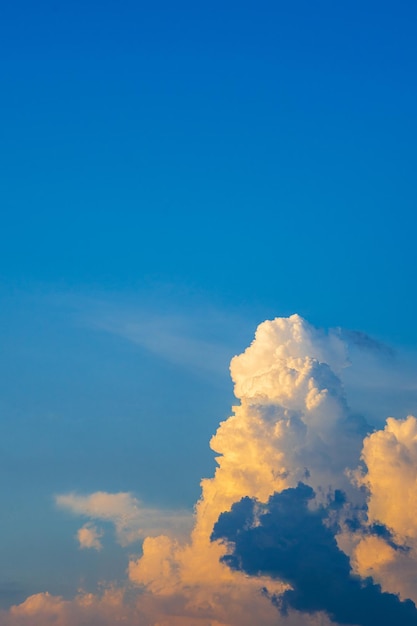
(263, 153)
(215, 163)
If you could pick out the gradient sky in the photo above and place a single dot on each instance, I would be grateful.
(172, 174)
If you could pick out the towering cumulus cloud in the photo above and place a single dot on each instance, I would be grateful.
(308, 519)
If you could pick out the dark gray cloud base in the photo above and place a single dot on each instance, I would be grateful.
(286, 539)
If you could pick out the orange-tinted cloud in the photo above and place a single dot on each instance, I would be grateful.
(132, 520)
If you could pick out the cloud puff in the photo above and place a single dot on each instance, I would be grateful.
(89, 537)
(390, 456)
(389, 477)
(131, 519)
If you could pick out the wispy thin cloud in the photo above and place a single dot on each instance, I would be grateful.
(193, 335)
(169, 337)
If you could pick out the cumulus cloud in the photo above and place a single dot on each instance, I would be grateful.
(292, 423)
(132, 520)
(388, 475)
(390, 456)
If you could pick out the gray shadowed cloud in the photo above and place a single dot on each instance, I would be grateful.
(286, 539)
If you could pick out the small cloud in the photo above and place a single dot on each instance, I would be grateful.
(132, 520)
(89, 537)
(390, 476)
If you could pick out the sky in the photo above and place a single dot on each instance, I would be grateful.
(207, 312)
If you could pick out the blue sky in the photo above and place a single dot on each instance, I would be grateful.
(173, 174)
(263, 155)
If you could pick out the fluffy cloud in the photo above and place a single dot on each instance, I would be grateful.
(131, 519)
(389, 476)
(115, 607)
(390, 456)
(89, 537)
(291, 423)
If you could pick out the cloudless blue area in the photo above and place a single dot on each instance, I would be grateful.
(258, 155)
(263, 152)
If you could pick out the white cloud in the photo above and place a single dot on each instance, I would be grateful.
(389, 475)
